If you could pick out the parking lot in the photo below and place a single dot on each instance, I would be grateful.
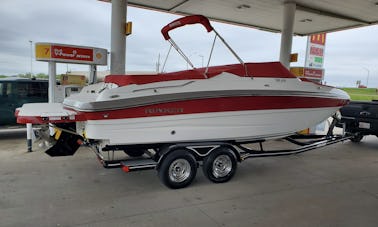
(331, 186)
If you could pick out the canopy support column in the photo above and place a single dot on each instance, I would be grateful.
(92, 74)
(52, 81)
(287, 33)
(118, 37)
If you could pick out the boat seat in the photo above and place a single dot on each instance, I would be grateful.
(265, 69)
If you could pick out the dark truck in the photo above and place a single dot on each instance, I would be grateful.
(14, 92)
(360, 118)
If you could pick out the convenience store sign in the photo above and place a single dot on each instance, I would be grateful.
(70, 54)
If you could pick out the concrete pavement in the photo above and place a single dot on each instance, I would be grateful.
(332, 186)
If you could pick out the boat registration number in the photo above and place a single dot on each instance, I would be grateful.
(365, 125)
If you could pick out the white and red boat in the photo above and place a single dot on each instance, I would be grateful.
(239, 102)
(182, 106)
(173, 121)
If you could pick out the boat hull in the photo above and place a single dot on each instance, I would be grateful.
(216, 126)
(223, 108)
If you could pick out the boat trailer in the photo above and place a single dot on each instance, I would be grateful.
(148, 162)
(177, 163)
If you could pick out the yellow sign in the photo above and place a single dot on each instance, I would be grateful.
(297, 71)
(72, 79)
(129, 28)
(42, 50)
(294, 57)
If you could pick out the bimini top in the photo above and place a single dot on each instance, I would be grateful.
(265, 69)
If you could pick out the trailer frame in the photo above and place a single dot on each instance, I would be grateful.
(155, 156)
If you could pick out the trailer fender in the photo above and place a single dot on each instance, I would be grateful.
(165, 150)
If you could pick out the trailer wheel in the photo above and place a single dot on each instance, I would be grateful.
(220, 165)
(357, 138)
(178, 169)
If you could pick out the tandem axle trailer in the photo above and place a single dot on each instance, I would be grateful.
(177, 163)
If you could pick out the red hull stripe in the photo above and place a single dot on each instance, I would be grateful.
(210, 105)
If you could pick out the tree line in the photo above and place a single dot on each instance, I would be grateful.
(29, 75)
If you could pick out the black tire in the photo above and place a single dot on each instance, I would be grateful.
(220, 165)
(357, 138)
(134, 152)
(178, 169)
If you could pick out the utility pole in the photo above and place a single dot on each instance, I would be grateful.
(368, 74)
(31, 58)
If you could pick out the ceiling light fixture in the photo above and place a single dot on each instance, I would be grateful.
(305, 20)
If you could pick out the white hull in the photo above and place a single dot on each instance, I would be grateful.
(235, 125)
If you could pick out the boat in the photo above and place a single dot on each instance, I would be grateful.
(175, 121)
(236, 102)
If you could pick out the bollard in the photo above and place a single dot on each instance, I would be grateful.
(29, 131)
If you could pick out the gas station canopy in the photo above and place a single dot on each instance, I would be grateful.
(310, 16)
(289, 17)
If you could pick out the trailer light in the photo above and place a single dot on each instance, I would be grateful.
(125, 169)
(80, 142)
(17, 112)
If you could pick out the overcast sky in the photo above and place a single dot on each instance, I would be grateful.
(349, 56)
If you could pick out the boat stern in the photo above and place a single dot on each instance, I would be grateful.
(44, 113)
(62, 135)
